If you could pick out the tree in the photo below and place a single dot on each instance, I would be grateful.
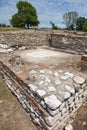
(53, 26)
(70, 19)
(3, 25)
(26, 15)
(79, 23)
(85, 26)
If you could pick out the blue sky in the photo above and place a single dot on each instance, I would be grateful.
(47, 10)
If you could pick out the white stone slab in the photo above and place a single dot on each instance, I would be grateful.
(41, 92)
(79, 79)
(52, 102)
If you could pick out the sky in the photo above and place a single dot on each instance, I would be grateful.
(47, 10)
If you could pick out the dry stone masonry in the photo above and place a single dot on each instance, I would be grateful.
(64, 40)
(27, 38)
(49, 95)
(71, 42)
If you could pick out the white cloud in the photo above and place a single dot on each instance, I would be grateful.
(48, 10)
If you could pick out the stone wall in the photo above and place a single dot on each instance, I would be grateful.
(50, 112)
(84, 64)
(26, 37)
(72, 42)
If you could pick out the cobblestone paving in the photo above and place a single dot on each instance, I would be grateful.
(50, 95)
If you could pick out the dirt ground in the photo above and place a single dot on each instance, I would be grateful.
(80, 121)
(50, 57)
(13, 117)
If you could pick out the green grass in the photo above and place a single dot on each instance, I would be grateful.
(5, 93)
(10, 29)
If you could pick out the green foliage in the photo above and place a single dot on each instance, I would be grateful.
(79, 23)
(26, 15)
(17, 20)
(3, 25)
(53, 26)
(85, 26)
(4, 29)
(70, 19)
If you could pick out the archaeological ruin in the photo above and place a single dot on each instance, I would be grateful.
(47, 71)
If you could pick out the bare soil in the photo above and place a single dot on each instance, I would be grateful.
(50, 57)
(80, 121)
(13, 117)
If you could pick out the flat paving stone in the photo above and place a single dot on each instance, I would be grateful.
(69, 74)
(79, 79)
(65, 77)
(66, 95)
(57, 81)
(51, 88)
(41, 92)
(33, 87)
(52, 102)
(70, 89)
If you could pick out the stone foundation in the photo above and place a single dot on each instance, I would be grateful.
(72, 43)
(49, 95)
(24, 38)
(63, 40)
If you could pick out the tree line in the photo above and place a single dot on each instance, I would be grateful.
(27, 17)
(74, 22)
(4, 25)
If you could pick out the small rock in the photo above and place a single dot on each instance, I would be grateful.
(32, 110)
(1, 101)
(69, 74)
(52, 102)
(68, 127)
(42, 76)
(32, 115)
(84, 85)
(46, 83)
(66, 95)
(60, 71)
(22, 48)
(70, 89)
(42, 71)
(18, 91)
(32, 87)
(33, 72)
(10, 50)
(36, 121)
(48, 80)
(56, 74)
(41, 82)
(79, 122)
(43, 104)
(4, 46)
(65, 77)
(52, 112)
(84, 123)
(86, 51)
(51, 88)
(79, 80)
(57, 81)
(41, 92)
(50, 72)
